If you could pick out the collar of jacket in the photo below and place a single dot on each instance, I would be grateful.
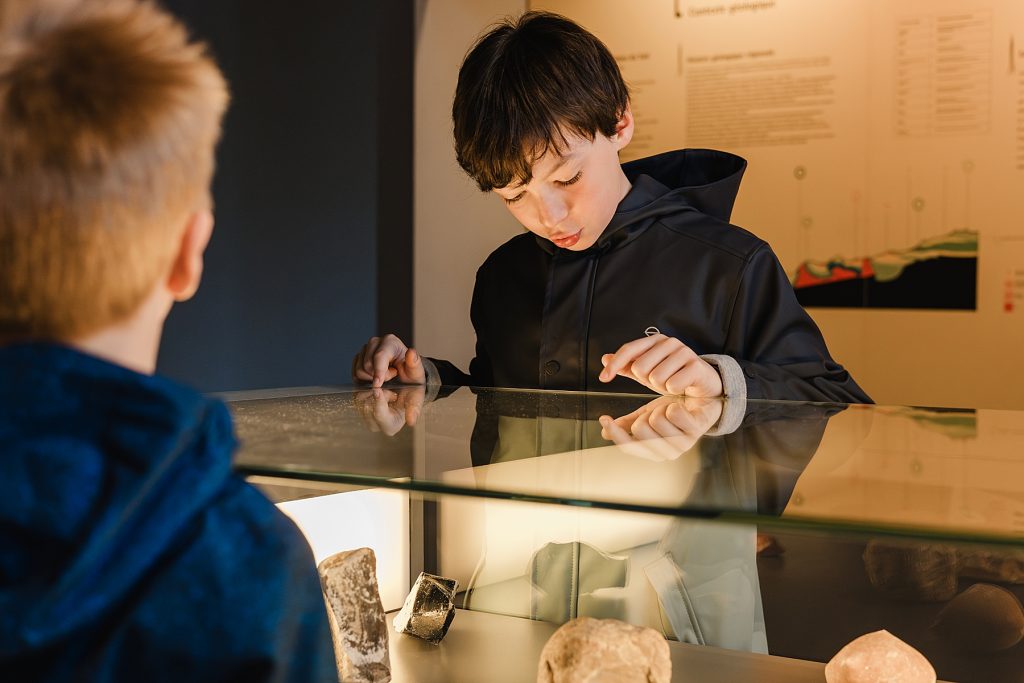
(703, 180)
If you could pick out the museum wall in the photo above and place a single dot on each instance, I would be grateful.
(456, 226)
(320, 119)
(886, 150)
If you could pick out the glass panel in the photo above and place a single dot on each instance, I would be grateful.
(763, 589)
(890, 470)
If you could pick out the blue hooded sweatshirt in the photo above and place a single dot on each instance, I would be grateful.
(129, 550)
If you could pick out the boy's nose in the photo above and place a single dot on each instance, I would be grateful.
(552, 211)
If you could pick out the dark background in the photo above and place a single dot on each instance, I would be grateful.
(312, 249)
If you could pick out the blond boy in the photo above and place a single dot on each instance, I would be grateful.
(130, 549)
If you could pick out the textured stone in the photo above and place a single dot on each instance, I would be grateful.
(360, 631)
(879, 657)
(429, 609)
(1004, 566)
(912, 571)
(984, 618)
(587, 650)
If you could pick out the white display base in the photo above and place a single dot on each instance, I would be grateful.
(499, 649)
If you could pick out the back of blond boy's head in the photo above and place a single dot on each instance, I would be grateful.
(108, 120)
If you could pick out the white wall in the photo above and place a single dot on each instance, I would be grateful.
(456, 226)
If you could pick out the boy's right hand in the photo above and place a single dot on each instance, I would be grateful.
(385, 358)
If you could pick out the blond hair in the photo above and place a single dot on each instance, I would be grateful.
(108, 119)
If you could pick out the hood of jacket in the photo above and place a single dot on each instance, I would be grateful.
(103, 471)
(705, 180)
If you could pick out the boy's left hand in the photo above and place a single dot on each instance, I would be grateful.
(664, 364)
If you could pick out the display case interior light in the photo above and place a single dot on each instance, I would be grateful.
(371, 518)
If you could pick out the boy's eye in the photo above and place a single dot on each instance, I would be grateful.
(513, 200)
(571, 181)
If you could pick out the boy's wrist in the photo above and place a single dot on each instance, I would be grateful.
(433, 378)
(734, 390)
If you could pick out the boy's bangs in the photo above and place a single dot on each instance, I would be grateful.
(511, 158)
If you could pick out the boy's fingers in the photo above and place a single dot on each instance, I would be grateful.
(684, 419)
(627, 353)
(358, 373)
(663, 425)
(611, 431)
(411, 369)
(387, 418)
(650, 359)
(382, 360)
(367, 354)
(683, 380)
(661, 373)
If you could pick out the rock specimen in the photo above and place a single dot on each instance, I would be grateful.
(1005, 566)
(879, 657)
(984, 618)
(587, 650)
(429, 609)
(912, 571)
(349, 580)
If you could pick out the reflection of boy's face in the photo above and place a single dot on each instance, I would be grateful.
(572, 196)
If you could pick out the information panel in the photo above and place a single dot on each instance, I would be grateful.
(886, 148)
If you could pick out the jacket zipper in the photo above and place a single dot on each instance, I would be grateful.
(585, 345)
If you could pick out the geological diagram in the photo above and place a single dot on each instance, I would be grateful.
(940, 272)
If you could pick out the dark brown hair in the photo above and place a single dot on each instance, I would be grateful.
(108, 118)
(524, 86)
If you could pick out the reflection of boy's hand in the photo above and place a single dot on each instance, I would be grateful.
(384, 358)
(664, 364)
(387, 411)
(663, 429)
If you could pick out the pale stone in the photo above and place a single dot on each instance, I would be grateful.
(879, 657)
(912, 571)
(360, 631)
(984, 618)
(429, 609)
(588, 650)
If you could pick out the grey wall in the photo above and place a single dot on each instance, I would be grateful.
(314, 173)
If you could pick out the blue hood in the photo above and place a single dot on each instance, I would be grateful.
(102, 471)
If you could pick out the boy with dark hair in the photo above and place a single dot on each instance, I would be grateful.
(632, 273)
(130, 549)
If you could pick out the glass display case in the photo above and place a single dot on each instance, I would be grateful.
(759, 537)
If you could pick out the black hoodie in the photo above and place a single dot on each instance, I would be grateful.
(669, 259)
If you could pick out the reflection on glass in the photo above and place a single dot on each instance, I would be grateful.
(957, 474)
(782, 528)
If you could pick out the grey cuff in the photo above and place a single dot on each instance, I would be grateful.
(734, 389)
(433, 384)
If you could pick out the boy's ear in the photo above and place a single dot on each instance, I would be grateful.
(187, 266)
(623, 129)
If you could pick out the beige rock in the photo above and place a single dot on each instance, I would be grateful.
(587, 650)
(360, 631)
(879, 657)
(984, 618)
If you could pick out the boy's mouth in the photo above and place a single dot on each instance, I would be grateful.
(568, 241)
